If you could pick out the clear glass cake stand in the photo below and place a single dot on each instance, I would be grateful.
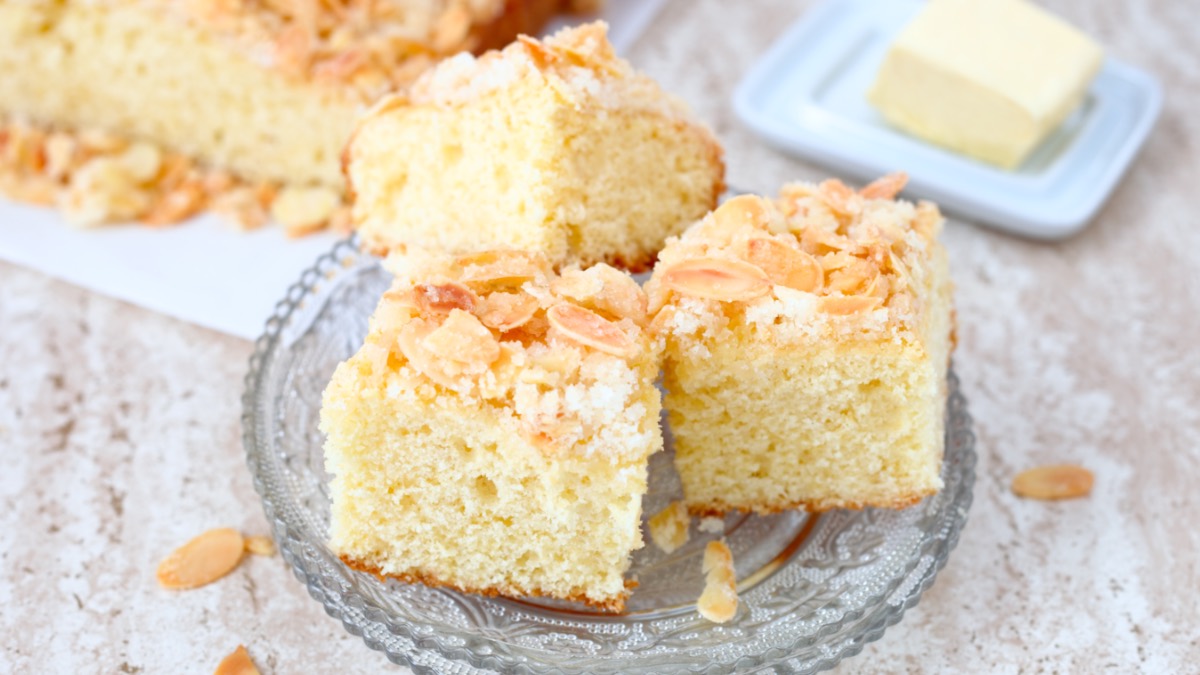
(814, 588)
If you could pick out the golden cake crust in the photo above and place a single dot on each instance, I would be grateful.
(614, 606)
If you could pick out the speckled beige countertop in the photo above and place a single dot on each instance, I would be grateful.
(120, 431)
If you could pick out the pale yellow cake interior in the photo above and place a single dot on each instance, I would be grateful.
(505, 450)
(823, 384)
(180, 87)
(555, 147)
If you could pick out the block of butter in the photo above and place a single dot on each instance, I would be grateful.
(988, 78)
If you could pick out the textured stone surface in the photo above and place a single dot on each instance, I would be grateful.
(120, 428)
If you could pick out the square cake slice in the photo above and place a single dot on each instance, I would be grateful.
(556, 146)
(807, 342)
(492, 434)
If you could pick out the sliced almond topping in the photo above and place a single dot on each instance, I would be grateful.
(443, 297)
(237, 663)
(500, 268)
(853, 275)
(411, 341)
(669, 527)
(886, 187)
(718, 603)
(452, 27)
(1062, 481)
(837, 196)
(260, 545)
(848, 304)
(463, 338)
(742, 210)
(589, 329)
(717, 279)
(821, 240)
(506, 311)
(785, 265)
(603, 288)
(202, 560)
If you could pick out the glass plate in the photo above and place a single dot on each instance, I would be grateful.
(814, 588)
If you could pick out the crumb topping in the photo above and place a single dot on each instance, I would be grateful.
(564, 357)
(820, 260)
(579, 63)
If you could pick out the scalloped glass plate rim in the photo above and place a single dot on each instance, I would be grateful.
(867, 624)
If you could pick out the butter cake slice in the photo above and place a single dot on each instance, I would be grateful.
(807, 343)
(492, 434)
(555, 146)
(267, 91)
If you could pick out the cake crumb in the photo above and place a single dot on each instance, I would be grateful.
(718, 603)
(669, 527)
(1062, 481)
(237, 663)
(712, 525)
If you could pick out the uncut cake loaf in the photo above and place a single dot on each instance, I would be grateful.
(807, 343)
(555, 146)
(492, 434)
(266, 90)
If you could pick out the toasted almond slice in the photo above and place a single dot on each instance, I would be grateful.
(260, 545)
(820, 240)
(443, 297)
(717, 279)
(463, 338)
(742, 210)
(500, 267)
(1060, 481)
(237, 663)
(202, 560)
(507, 311)
(589, 329)
(603, 288)
(669, 527)
(886, 187)
(842, 305)
(411, 341)
(785, 265)
(718, 603)
(854, 275)
(837, 196)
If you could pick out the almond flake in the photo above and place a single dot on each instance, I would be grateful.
(842, 305)
(506, 311)
(785, 265)
(886, 187)
(605, 289)
(1062, 481)
(838, 196)
(717, 279)
(589, 329)
(669, 527)
(500, 268)
(462, 338)
(741, 211)
(237, 663)
(411, 341)
(719, 601)
(202, 560)
(260, 545)
(441, 298)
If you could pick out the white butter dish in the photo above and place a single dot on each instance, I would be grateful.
(807, 96)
